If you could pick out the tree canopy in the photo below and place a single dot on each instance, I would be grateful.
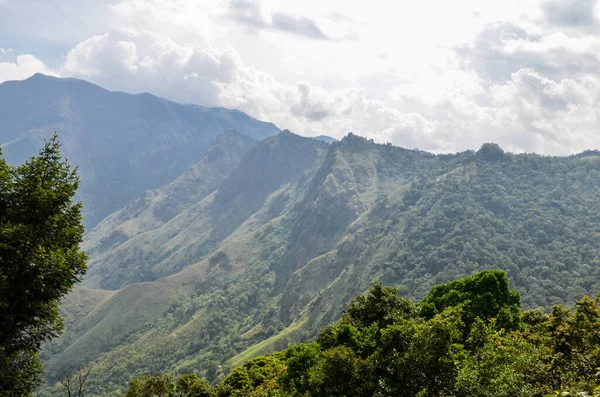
(466, 338)
(40, 261)
(485, 295)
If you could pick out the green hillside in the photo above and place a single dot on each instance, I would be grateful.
(466, 338)
(106, 265)
(300, 227)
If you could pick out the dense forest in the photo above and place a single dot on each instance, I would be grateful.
(467, 337)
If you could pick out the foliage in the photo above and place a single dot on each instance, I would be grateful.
(190, 385)
(256, 378)
(40, 260)
(490, 152)
(434, 351)
(151, 386)
(499, 364)
(485, 295)
(381, 306)
(162, 385)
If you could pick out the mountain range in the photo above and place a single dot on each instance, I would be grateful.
(123, 144)
(275, 252)
(262, 240)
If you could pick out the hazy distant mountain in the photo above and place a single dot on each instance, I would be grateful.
(325, 138)
(299, 227)
(124, 144)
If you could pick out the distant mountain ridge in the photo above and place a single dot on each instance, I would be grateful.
(325, 138)
(123, 144)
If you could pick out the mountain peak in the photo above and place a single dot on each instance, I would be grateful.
(282, 157)
(37, 75)
(287, 132)
(289, 138)
(41, 77)
(124, 144)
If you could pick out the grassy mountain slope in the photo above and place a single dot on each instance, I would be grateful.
(200, 227)
(123, 144)
(210, 304)
(308, 242)
(159, 206)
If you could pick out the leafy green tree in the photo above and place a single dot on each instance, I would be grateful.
(572, 343)
(490, 152)
(300, 359)
(190, 385)
(257, 377)
(40, 261)
(159, 385)
(485, 295)
(336, 374)
(362, 340)
(382, 305)
(421, 357)
(453, 346)
(500, 365)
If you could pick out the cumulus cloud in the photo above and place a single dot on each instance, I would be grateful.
(142, 62)
(19, 67)
(548, 115)
(504, 48)
(511, 91)
(541, 82)
(529, 84)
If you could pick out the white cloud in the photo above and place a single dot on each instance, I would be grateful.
(521, 73)
(20, 67)
(144, 62)
(103, 55)
(558, 115)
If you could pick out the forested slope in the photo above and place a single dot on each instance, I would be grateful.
(299, 228)
(535, 217)
(260, 185)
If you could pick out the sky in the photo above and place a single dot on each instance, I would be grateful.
(442, 76)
